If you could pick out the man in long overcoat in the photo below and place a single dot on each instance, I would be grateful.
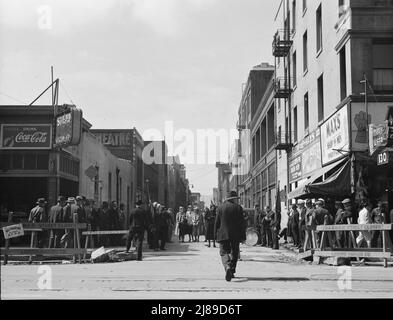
(139, 222)
(229, 229)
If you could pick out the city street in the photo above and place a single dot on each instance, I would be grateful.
(194, 271)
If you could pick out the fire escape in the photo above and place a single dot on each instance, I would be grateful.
(282, 43)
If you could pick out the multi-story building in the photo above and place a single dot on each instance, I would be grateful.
(334, 77)
(259, 79)
(224, 175)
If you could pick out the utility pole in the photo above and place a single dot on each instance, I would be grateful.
(365, 82)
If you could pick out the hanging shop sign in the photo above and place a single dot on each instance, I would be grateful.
(68, 128)
(295, 168)
(379, 136)
(335, 136)
(26, 136)
(383, 157)
(13, 231)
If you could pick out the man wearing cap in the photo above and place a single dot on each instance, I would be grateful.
(56, 215)
(138, 225)
(37, 215)
(229, 226)
(378, 216)
(275, 225)
(321, 215)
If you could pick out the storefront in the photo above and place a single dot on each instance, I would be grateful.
(30, 167)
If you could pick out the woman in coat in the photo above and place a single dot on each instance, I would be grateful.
(210, 218)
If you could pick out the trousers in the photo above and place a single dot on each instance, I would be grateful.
(229, 252)
(135, 234)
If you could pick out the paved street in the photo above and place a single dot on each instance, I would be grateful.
(194, 271)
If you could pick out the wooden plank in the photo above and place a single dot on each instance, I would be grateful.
(41, 251)
(355, 227)
(355, 254)
(48, 226)
(85, 233)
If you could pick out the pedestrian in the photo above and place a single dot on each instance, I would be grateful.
(113, 223)
(67, 240)
(340, 218)
(378, 216)
(302, 222)
(196, 221)
(179, 219)
(151, 231)
(267, 224)
(189, 223)
(295, 225)
(56, 216)
(210, 218)
(229, 226)
(161, 223)
(320, 217)
(364, 218)
(171, 223)
(274, 226)
(183, 225)
(137, 225)
(258, 222)
(38, 214)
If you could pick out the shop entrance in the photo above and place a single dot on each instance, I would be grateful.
(21, 194)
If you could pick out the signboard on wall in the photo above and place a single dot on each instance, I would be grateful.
(26, 136)
(306, 156)
(335, 136)
(383, 157)
(114, 138)
(68, 128)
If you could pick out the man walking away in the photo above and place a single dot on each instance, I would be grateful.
(229, 226)
(138, 225)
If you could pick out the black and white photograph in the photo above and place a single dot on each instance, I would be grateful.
(211, 151)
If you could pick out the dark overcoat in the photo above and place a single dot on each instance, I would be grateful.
(230, 223)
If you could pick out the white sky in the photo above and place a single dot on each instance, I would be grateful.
(139, 63)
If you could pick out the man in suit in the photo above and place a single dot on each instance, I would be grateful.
(38, 214)
(138, 224)
(274, 226)
(56, 215)
(229, 230)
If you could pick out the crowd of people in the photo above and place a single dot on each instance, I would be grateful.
(308, 213)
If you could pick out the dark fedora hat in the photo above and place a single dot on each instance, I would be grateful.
(139, 202)
(61, 199)
(232, 195)
(41, 201)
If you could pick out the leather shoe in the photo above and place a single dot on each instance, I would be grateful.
(228, 275)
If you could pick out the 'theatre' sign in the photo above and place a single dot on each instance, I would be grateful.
(68, 128)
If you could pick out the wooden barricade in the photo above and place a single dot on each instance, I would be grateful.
(38, 227)
(383, 253)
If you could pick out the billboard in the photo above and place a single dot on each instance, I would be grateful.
(26, 136)
(335, 136)
(68, 128)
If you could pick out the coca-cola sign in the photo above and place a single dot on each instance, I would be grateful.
(26, 136)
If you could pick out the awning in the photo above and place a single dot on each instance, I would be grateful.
(302, 190)
(338, 184)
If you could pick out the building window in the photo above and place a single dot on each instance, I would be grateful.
(306, 114)
(279, 139)
(294, 14)
(320, 99)
(295, 124)
(305, 66)
(304, 6)
(294, 69)
(270, 127)
(263, 137)
(383, 66)
(258, 145)
(253, 151)
(109, 186)
(341, 7)
(343, 74)
(319, 28)
(96, 184)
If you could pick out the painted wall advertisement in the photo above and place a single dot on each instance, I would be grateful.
(378, 113)
(335, 136)
(26, 136)
(306, 156)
